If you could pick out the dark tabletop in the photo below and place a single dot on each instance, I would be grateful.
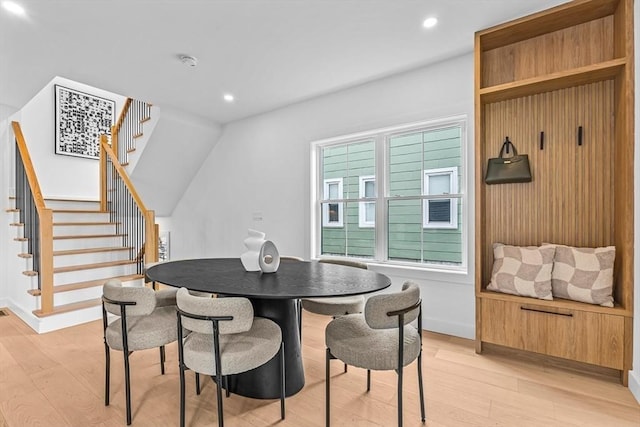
(294, 279)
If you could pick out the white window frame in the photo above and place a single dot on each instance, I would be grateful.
(459, 273)
(328, 201)
(362, 206)
(453, 189)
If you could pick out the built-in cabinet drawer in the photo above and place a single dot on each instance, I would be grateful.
(585, 336)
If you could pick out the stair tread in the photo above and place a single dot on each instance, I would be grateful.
(20, 239)
(92, 266)
(24, 255)
(17, 224)
(12, 210)
(86, 236)
(66, 224)
(138, 135)
(87, 211)
(146, 119)
(91, 250)
(63, 199)
(69, 307)
(87, 284)
(131, 150)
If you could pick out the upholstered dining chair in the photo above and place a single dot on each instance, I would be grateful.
(224, 338)
(146, 319)
(383, 339)
(335, 306)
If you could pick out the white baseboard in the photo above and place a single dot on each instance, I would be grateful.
(52, 323)
(461, 330)
(4, 302)
(634, 384)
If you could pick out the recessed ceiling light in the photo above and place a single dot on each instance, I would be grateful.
(228, 97)
(430, 22)
(14, 8)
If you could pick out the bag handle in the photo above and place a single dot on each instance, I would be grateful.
(506, 144)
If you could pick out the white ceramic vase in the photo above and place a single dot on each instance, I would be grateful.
(253, 243)
(269, 258)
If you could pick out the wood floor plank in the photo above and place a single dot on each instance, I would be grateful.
(57, 379)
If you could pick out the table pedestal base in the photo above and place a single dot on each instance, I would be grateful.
(264, 382)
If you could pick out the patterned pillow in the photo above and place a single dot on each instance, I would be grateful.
(584, 274)
(524, 271)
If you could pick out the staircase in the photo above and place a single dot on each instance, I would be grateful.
(67, 249)
(87, 251)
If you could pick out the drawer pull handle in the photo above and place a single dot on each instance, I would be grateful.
(544, 311)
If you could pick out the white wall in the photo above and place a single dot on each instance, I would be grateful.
(261, 165)
(6, 181)
(634, 376)
(58, 175)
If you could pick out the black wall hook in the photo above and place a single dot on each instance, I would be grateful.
(579, 135)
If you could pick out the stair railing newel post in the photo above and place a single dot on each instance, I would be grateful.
(37, 220)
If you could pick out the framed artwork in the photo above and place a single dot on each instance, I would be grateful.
(80, 120)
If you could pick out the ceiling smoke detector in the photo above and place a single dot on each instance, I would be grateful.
(188, 60)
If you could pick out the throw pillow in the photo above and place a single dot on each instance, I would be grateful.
(584, 274)
(524, 271)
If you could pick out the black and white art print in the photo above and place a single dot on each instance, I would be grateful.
(80, 120)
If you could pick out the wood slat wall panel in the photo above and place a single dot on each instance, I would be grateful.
(570, 200)
(565, 49)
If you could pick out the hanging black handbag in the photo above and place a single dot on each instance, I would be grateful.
(503, 170)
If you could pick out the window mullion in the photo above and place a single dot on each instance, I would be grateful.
(382, 211)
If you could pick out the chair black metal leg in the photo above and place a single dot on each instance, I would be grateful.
(182, 393)
(219, 397)
(345, 368)
(198, 384)
(420, 387)
(282, 381)
(327, 389)
(162, 359)
(368, 380)
(127, 384)
(299, 302)
(225, 380)
(400, 397)
(107, 374)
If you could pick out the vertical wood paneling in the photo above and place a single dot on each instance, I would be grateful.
(577, 46)
(570, 199)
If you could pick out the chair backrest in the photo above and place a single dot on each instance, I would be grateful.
(144, 298)
(377, 307)
(346, 262)
(240, 309)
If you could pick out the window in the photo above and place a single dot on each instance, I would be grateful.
(332, 212)
(392, 195)
(440, 212)
(367, 210)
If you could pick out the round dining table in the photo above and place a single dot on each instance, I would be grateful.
(273, 296)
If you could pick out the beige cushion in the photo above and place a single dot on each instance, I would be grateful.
(147, 331)
(524, 271)
(351, 340)
(334, 306)
(238, 352)
(584, 274)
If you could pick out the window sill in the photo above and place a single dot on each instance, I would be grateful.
(462, 277)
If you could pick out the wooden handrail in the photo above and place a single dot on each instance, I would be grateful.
(123, 174)
(150, 244)
(28, 167)
(115, 129)
(45, 217)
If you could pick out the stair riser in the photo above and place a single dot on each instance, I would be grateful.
(79, 295)
(89, 258)
(92, 274)
(72, 204)
(83, 230)
(80, 217)
(102, 242)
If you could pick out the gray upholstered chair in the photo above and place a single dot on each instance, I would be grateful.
(224, 338)
(381, 339)
(146, 319)
(335, 306)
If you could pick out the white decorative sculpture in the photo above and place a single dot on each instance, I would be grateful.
(269, 258)
(253, 243)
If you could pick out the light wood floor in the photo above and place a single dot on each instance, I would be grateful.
(57, 379)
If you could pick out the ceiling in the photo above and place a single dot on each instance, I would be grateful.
(267, 53)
